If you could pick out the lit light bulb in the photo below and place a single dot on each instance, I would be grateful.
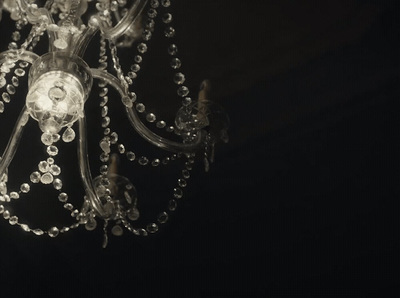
(55, 100)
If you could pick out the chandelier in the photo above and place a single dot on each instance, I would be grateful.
(45, 66)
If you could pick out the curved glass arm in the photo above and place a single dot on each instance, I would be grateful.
(124, 24)
(143, 131)
(84, 168)
(13, 143)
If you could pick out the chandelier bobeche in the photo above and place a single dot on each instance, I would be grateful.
(60, 82)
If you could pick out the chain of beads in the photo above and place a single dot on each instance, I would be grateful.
(10, 63)
(163, 217)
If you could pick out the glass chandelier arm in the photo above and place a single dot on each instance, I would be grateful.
(13, 143)
(137, 124)
(112, 33)
(84, 168)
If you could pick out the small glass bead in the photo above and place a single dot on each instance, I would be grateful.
(186, 101)
(121, 148)
(15, 81)
(140, 107)
(1, 209)
(38, 232)
(50, 160)
(150, 117)
(152, 228)
(52, 150)
(53, 232)
(130, 155)
(104, 157)
(6, 97)
(19, 72)
(178, 193)
(25, 188)
(10, 89)
(105, 121)
(172, 204)
(143, 161)
(91, 224)
(133, 214)
(68, 206)
(165, 3)
(152, 13)
(113, 138)
(6, 214)
(172, 49)
(103, 92)
(185, 174)
(155, 162)
(142, 232)
(169, 32)
(138, 59)
(117, 230)
(176, 63)
(13, 220)
(1, 107)
(160, 124)
(183, 91)
(142, 48)
(35, 177)
(162, 217)
(154, 3)
(46, 178)
(63, 197)
(14, 195)
(25, 227)
(57, 183)
(55, 170)
(167, 18)
(179, 78)
(182, 182)
(135, 67)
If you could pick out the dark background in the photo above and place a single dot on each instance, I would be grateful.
(303, 200)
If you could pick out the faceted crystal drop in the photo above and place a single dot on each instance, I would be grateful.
(53, 232)
(68, 135)
(46, 178)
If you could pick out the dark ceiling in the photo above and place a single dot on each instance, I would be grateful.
(304, 199)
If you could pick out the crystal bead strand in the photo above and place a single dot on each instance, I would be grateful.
(11, 60)
(163, 217)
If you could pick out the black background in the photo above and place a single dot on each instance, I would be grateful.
(303, 200)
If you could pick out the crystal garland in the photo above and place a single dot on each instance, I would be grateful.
(48, 171)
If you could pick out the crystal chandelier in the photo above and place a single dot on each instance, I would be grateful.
(47, 49)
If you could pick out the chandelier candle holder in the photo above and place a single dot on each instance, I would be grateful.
(60, 83)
